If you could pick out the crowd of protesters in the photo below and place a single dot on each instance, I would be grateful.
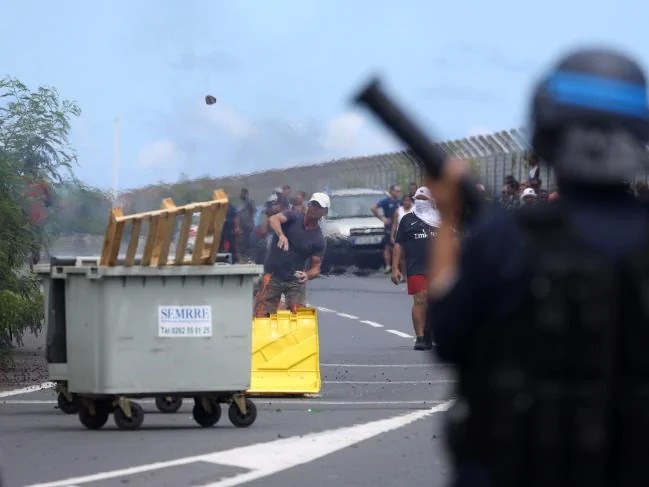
(515, 194)
(246, 233)
(250, 235)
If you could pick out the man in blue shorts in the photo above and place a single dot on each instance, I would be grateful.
(389, 204)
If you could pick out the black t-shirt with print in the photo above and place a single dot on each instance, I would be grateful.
(302, 245)
(414, 236)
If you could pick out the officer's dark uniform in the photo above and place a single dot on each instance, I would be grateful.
(548, 322)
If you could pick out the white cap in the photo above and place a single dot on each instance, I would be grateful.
(272, 198)
(528, 192)
(423, 191)
(321, 198)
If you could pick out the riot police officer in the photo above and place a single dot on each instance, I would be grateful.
(545, 311)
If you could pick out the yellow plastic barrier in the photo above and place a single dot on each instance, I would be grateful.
(286, 354)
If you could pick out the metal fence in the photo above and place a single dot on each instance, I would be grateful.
(492, 156)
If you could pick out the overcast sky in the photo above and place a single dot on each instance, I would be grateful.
(283, 72)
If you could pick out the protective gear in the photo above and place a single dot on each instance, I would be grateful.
(590, 118)
(424, 210)
(555, 393)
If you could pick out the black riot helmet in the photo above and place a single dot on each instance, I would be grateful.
(590, 117)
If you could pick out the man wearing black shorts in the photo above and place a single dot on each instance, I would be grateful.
(298, 238)
(413, 235)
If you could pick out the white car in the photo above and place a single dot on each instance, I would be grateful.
(354, 235)
(193, 230)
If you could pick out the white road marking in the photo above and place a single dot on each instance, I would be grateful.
(372, 323)
(399, 333)
(121, 473)
(287, 452)
(25, 401)
(386, 382)
(292, 452)
(27, 390)
(360, 403)
(345, 315)
(259, 401)
(367, 322)
(382, 365)
(268, 401)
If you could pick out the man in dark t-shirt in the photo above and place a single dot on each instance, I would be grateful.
(298, 239)
(413, 238)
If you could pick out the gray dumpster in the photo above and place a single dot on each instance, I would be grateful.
(116, 332)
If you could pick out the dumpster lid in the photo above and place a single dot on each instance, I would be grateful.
(184, 270)
(166, 271)
(90, 265)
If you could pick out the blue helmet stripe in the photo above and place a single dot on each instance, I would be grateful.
(598, 93)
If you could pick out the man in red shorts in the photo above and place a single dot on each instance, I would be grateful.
(413, 236)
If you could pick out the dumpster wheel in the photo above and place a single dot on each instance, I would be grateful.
(94, 414)
(168, 404)
(238, 418)
(67, 403)
(206, 411)
(128, 417)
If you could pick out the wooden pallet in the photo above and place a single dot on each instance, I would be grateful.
(160, 228)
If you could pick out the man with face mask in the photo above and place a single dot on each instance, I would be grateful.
(413, 234)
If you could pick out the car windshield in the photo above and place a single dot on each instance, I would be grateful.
(352, 206)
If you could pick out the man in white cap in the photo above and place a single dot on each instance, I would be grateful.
(298, 239)
(528, 196)
(413, 236)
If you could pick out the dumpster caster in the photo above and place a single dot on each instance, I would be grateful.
(93, 415)
(238, 418)
(129, 417)
(67, 403)
(168, 405)
(206, 412)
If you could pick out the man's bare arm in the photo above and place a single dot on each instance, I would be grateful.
(314, 271)
(276, 222)
(375, 211)
(444, 265)
(396, 256)
(393, 231)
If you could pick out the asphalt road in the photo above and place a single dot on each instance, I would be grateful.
(376, 422)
